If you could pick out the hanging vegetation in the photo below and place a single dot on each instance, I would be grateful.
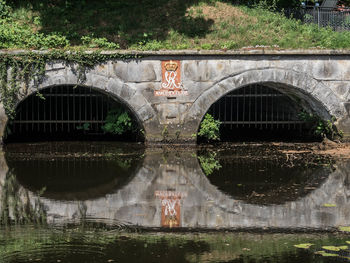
(17, 70)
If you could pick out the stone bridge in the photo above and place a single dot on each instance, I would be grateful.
(176, 98)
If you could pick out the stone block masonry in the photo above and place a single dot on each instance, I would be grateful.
(172, 90)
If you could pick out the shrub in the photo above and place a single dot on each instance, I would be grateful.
(229, 45)
(13, 35)
(4, 9)
(91, 42)
(118, 122)
(210, 128)
(319, 127)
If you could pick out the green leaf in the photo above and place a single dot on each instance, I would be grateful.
(304, 246)
(334, 248)
(325, 254)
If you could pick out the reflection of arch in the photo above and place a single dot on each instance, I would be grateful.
(312, 93)
(205, 205)
(78, 175)
(61, 75)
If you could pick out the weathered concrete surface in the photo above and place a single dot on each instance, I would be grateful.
(319, 79)
(203, 205)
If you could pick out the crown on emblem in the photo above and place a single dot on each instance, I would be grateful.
(171, 66)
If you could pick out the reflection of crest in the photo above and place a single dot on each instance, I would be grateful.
(171, 207)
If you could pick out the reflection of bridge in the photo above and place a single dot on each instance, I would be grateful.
(317, 80)
(201, 204)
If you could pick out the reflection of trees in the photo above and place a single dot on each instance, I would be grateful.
(16, 206)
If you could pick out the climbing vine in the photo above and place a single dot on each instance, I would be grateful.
(18, 70)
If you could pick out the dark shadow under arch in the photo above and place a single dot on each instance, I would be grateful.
(68, 112)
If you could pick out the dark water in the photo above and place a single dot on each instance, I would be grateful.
(108, 202)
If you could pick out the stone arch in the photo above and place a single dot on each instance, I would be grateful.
(310, 91)
(63, 75)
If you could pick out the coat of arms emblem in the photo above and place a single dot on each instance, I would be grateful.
(171, 85)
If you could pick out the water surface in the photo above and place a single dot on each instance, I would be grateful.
(105, 202)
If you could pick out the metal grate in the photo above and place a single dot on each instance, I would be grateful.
(256, 106)
(64, 110)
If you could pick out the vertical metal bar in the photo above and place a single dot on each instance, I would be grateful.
(283, 113)
(272, 112)
(219, 115)
(32, 113)
(244, 119)
(44, 113)
(288, 120)
(80, 104)
(38, 105)
(62, 109)
(74, 109)
(85, 96)
(267, 105)
(225, 109)
(278, 106)
(56, 108)
(97, 115)
(102, 110)
(27, 112)
(91, 105)
(256, 104)
(237, 113)
(231, 111)
(68, 113)
(50, 105)
(249, 104)
(261, 107)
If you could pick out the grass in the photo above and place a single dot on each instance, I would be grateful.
(156, 25)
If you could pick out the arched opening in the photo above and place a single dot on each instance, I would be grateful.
(72, 113)
(261, 112)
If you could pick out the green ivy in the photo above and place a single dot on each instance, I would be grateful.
(17, 70)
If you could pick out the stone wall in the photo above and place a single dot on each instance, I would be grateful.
(319, 79)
